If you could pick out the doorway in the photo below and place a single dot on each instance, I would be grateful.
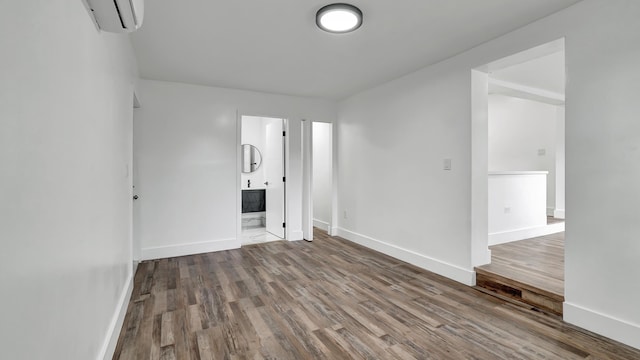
(319, 179)
(262, 179)
(518, 176)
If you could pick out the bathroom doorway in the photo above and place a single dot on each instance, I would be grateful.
(262, 179)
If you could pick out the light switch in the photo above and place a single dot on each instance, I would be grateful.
(542, 152)
(447, 164)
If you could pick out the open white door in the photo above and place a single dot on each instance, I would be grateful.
(274, 175)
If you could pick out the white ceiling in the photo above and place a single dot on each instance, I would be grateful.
(274, 46)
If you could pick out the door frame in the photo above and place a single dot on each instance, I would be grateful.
(307, 180)
(479, 80)
(285, 125)
(132, 169)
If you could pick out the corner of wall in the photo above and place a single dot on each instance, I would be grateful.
(113, 332)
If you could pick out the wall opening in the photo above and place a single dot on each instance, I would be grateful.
(262, 179)
(517, 148)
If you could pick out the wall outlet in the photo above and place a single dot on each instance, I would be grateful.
(542, 152)
(507, 210)
(446, 164)
(345, 214)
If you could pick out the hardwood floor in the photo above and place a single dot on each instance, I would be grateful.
(552, 220)
(530, 270)
(331, 299)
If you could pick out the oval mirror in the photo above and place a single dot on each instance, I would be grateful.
(251, 158)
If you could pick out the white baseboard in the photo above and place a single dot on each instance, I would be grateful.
(321, 225)
(526, 233)
(161, 252)
(558, 213)
(616, 329)
(550, 211)
(333, 231)
(113, 332)
(454, 272)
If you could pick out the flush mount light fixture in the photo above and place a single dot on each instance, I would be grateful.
(339, 18)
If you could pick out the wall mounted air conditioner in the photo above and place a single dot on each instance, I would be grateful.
(117, 16)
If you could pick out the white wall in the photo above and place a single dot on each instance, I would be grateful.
(322, 174)
(516, 204)
(393, 139)
(602, 172)
(518, 128)
(187, 163)
(392, 186)
(65, 185)
(253, 133)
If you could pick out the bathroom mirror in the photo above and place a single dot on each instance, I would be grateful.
(251, 158)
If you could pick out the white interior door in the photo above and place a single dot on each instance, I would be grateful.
(274, 176)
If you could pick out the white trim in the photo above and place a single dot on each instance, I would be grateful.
(307, 179)
(113, 332)
(616, 329)
(558, 213)
(333, 231)
(550, 211)
(525, 233)
(295, 235)
(334, 180)
(480, 254)
(525, 92)
(238, 175)
(286, 147)
(322, 225)
(168, 251)
(454, 272)
(508, 173)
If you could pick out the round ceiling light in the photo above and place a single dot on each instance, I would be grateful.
(339, 18)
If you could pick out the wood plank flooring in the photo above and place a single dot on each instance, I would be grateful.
(331, 299)
(530, 270)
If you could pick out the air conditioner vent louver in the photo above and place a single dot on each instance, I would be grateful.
(115, 3)
(117, 15)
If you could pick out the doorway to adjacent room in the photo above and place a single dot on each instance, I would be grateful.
(262, 179)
